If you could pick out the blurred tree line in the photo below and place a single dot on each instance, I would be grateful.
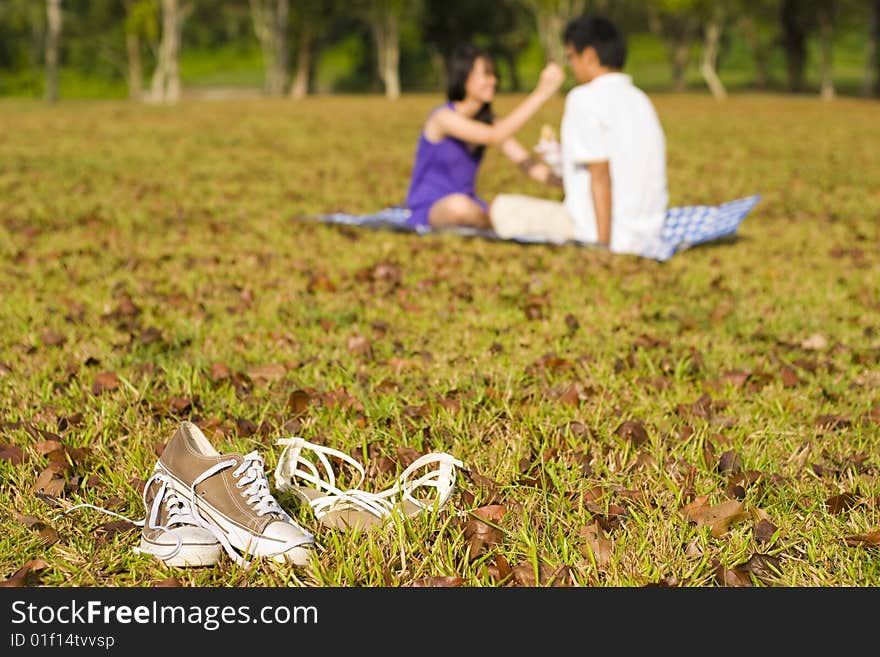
(401, 43)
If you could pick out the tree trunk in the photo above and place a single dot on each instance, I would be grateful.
(794, 42)
(53, 36)
(282, 23)
(300, 86)
(165, 87)
(386, 31)
(709, 65)
(680, 58)
(551, 19)
(871, 80)
(826, 35)
(759, 52)
(678, 34)
(135, 74)
(391, 76)
(548, 34)
(270, 19)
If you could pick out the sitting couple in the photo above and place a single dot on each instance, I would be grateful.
(613, 150)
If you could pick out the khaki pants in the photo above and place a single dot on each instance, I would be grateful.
(519, 216)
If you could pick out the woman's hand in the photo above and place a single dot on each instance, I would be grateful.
(551, 79)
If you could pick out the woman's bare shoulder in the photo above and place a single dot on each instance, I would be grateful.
(435, 125)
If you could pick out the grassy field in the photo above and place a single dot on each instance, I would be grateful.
(709, 421)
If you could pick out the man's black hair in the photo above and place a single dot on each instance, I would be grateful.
(601, 34)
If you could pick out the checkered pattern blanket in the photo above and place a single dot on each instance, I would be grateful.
(684, 226)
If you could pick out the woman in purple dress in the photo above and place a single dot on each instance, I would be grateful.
(455, 134)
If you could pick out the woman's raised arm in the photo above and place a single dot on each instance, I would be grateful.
(449, 122)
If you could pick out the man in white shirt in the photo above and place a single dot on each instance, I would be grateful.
(613, 155)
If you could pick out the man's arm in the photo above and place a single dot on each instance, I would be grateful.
(532, 166)
(600, 190)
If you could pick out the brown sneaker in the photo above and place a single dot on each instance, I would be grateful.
(231, 492)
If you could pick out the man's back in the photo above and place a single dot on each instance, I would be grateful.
(611, 119)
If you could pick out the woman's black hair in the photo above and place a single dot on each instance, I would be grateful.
(458, 67)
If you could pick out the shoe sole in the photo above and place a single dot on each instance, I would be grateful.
(241, 539)
(191, 555)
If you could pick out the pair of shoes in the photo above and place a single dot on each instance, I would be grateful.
(354, 507)
(229, 493)
(200, 502)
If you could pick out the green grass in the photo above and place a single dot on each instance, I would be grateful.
(522, 361)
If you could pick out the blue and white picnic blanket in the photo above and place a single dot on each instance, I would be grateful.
(683, 227)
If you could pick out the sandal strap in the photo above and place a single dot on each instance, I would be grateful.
(442, 477)
(292, 461)
(293, 465)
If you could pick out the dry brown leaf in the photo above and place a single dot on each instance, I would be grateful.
(126, 307)
(105, 381)
(764, 531)
(20, 577)
(839, 503)
(869, 540)
(762, 566)
(789, 377)
(491, 512)
(48, 535)
(320, 282)
(267, 373)
(11, 453)
(479, 534)
(488, 487)
(219, 372)
(109, 529)
(633, 431)
(44, 447)
(524, 575)
(28, 521)
(500, 570)
(718, 517)
(45, 532)
(52, 338)
(693, 550)
(815, 342)
(695, 505)
(596, 544)
(48, 484)
(180, 405)
(730, 577)
(399, 365)
(298, 402)
(407, 455)
(736, 378)
(730, 462)
(358, 344)
(571, 395)
(168, 582)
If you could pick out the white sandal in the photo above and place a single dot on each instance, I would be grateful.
(354, 507)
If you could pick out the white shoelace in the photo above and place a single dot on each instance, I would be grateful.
(380, 505)
(252, 477)
(179, 513)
